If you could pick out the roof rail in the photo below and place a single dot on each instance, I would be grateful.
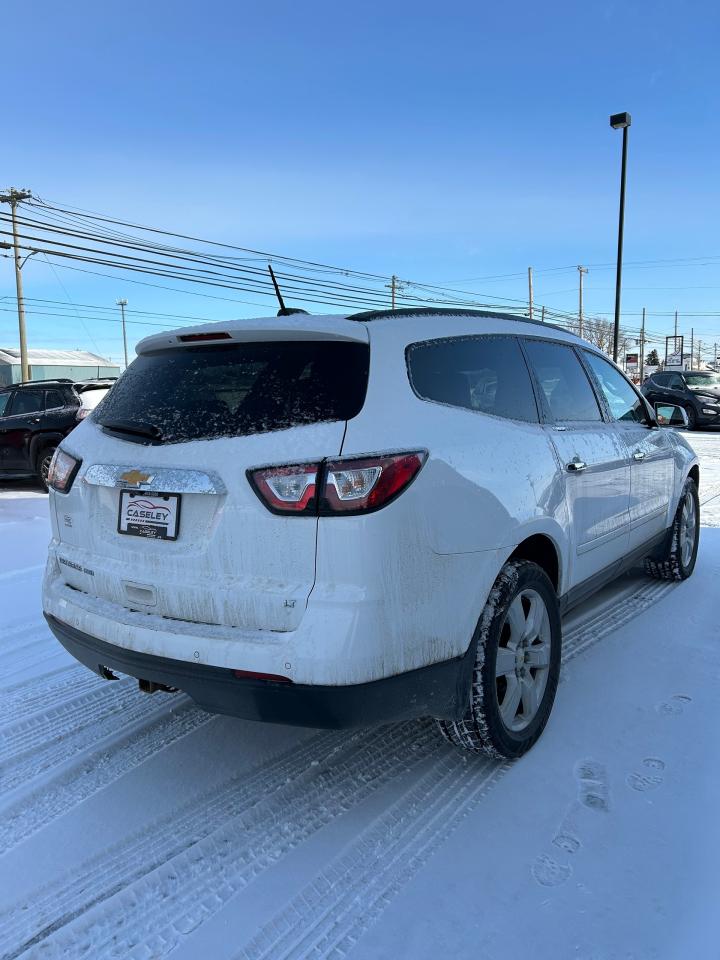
(448, 312)
(29, 383)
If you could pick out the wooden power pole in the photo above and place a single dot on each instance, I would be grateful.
(581, 271)
(13, 197)
(530, 293)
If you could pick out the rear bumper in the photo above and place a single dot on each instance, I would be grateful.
(439, 690)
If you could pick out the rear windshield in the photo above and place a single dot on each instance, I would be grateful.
(198, 393)
(91, 397)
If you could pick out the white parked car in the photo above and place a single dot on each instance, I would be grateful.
(337, 521)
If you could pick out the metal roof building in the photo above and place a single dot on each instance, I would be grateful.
(47, 364)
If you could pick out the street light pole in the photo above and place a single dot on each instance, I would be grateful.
(122, 304)
(620, 121)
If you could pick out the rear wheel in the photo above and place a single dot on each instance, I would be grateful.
(517, 665)
(677, 562)
(43, 467)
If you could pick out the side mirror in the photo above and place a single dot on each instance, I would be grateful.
(670, 415)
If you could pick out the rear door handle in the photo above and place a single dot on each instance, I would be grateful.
(638, 455)
(575, 466)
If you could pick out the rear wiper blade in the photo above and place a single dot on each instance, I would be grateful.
(136, 430)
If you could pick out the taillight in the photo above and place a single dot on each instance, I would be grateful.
(347, 486)
(362, 485)
(63, 469)
(287, 489)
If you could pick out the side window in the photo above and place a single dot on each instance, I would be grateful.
(4, 403)
(676, 382)
(622, 400)
(27, 401)
(565, 384)
(53, 399)
(487, 374)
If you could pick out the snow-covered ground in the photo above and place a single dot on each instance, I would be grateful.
(137, 826)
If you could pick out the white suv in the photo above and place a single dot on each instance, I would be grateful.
(338, 521)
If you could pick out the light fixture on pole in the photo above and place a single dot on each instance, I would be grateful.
(620, 121)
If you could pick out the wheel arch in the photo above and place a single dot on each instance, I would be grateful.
(542, 549)
(40, 442)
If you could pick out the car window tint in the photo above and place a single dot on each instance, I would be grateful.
(622, 400)
(201, 392)
(659, 378)
(487, 374)
(27, 401)
(4, 400)
(53, 398)
(565, 384)
(676, 383)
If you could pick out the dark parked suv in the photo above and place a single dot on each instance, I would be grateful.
(697, 391)
(34, 418)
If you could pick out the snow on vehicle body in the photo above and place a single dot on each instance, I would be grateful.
(301, 519)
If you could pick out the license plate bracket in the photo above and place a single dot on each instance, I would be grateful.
(150, 514)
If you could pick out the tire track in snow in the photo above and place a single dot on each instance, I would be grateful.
(160, 894)
(72, 714)
(95, 770)
(46, 691)
(328, 917)
(67, 732)
(587, 633)
(188, 887)
(331, 913)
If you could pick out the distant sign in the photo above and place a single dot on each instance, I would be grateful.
(632, 359)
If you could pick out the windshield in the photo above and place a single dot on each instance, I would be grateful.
(197, 393)
(703, 379)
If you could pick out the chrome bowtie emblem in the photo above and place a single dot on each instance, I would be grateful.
(135, 478)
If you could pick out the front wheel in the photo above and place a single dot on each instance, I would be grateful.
(692, 418)
(517, 665)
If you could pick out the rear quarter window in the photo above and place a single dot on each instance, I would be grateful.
(200, 393)
(487, 374)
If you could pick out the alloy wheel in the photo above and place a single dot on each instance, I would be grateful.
(523, 660)
(688, 528)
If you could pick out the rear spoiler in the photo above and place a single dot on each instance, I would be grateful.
(293, 327)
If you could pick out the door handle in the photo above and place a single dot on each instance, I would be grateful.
(35, 420)
(638, 455)
(575, 466)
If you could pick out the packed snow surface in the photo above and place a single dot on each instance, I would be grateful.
(137, 826)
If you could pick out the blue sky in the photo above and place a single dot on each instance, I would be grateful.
(441, 142)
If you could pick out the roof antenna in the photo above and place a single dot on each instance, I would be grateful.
(283, 311)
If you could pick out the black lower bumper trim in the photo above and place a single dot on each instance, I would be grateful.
(439, 690)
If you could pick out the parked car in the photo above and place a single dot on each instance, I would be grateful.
(340, 521)
(35, 416)
(698, 392)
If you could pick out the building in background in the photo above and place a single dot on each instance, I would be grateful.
(54, 364)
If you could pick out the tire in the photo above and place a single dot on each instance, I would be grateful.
(679, 555)
(43, 465)
(522, 595)
(692, 417)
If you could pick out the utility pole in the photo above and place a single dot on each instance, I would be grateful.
(692, 345)
(676, 325)
(122, 304)
(699, 354)
(530, 293)
(642, 347)
(581, 271)
(542, 316)
(13, 197)
(393, 285)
